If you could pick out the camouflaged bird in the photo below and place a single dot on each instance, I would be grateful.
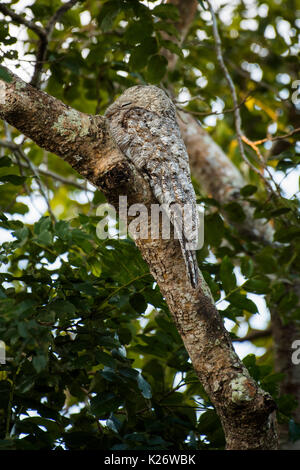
(143, 124)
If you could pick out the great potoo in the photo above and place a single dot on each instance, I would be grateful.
(143, 124)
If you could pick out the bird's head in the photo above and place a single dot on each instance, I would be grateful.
(148, 97)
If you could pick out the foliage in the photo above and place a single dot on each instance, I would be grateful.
(95, 361)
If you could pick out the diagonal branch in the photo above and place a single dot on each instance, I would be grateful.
(40, 184)
(44, 34)
(19, 19)
(48, 173)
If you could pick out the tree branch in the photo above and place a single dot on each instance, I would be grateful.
(253, 335)
(48, 173)
(75, 136)
(237, 114)
(20, 154)
(84, 142)
(44, 41)
(44, 34)
(19, 19)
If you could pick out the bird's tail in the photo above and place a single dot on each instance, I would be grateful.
(191, 263)
(187, 236)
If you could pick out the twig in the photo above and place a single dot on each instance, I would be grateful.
(21, 20)
(262, 160)
(216, 113)
(237, 116)
(18, 152)
(61, 179)
(44, 41)
(48, 173)
(58, 14)
(254, 335)
(254, 147)
(38, 180)
(279, 137)
(246, 74)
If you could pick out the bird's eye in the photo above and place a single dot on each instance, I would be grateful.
(125, 104)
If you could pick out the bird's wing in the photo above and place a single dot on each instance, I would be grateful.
(154, 144)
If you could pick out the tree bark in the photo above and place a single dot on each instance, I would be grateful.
(246, 411)
(221, 179)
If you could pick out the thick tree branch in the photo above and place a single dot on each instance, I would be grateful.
(76, 137)
(246, 411)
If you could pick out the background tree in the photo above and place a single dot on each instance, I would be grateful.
(95, 359)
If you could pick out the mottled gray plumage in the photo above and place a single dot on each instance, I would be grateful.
(143, 124)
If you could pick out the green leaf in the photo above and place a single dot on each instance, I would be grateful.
(172, 46)
(62, 306)
(250, 362)
(139, 56)
(62, 229)
(156, 68)
(235, 211)
(241, 301)
(227, 275)
(166, 11)
(45, 237)
(138, 302)
(104, 403)
(258, 286)
(213, 229)
(287, 234)
(138, 31)
(22, 233)
(5, 161)
(108, 14)
(13, 179)
(114, 423)
(105, 359)
(277, 212)
(144, 387)
(5, 75)
(248, 190)
(43, 224)
(39, 362)
(167, 27)
(247, 266)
